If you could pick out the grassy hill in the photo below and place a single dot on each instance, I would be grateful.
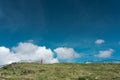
(61, 71)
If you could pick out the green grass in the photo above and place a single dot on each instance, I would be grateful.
(61, 71)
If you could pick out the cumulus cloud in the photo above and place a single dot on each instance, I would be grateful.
(29, 51)
(66, 53)
(105, 54)
(26, 52)
(7, 57)
(99, 41)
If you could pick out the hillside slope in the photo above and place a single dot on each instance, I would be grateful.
(61, 71)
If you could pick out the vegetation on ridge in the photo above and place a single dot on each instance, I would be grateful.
(60, 71)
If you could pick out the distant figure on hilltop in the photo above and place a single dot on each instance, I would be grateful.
(41, 61)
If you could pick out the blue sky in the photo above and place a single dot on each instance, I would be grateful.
(75, 24)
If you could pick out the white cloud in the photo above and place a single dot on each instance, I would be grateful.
(6, 57)
(26, 52)
(29, 51)
(99, 41)
(66, 53)
(88, 62)
(55, 60)
(105, 54)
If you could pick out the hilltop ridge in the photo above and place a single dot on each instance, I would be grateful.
(60, 71)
